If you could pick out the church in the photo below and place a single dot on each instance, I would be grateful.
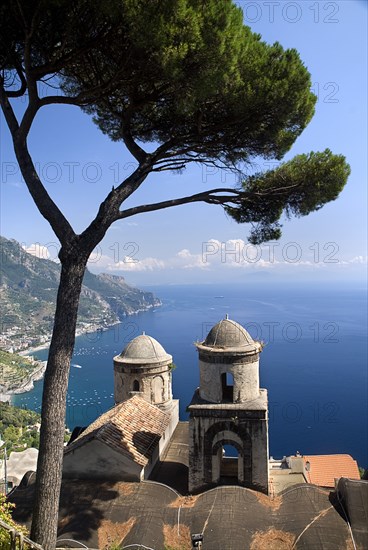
(228, 409)
(139, 477)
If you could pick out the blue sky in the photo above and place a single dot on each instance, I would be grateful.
(199, 243)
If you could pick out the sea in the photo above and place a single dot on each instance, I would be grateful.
(314, 361)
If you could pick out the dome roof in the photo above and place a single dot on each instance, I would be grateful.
(229, 334)
(144, 350)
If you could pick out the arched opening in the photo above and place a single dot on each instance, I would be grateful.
(135, 385)
(227, 461)
(229, 465)
(222, 434)
(158, 390)
(227, 384)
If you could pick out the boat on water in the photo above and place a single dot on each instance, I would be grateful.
(219, 296)
(76, 366)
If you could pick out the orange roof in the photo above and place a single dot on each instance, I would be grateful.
(133, 428)
(323, 469)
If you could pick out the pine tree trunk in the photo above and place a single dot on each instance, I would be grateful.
(50, 460)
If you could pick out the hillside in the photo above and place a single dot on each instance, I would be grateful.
(17, 372)
(28, 287)
(19, 428)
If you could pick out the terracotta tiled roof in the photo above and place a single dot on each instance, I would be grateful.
(132, 428)
(324, 469)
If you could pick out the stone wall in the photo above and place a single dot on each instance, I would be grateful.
(95, 460)
(154, 383)
(173, 409)
(245, 374)
(246, 430)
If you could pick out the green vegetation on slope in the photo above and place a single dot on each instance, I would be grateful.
(15, 370)
(18, 427)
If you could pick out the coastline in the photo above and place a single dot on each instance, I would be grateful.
(38, 373)
(87, 330)
(26, 352)
(26, 385)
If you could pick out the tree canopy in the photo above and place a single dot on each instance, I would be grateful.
(198, 82)
(188, 77)
(297, 187)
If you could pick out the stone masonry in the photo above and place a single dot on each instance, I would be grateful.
(228, 408)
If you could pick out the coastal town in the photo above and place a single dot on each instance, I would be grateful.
(14, 340)
(19, 366)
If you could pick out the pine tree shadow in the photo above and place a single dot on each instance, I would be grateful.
(84, 504)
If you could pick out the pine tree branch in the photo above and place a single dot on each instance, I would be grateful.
(208, 197)
(45, 204)
(23, 85)
(47, 207)
(7, 110)
(134, 149)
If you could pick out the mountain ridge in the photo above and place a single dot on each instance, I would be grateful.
(28, 288)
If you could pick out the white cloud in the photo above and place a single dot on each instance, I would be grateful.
(48, 252)
(100, 260)
(132, 264)
(359, 260)
(187, 260)
(215, 255)
(184, 253)
(356, 260)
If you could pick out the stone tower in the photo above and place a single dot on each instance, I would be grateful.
(228, 408)
(143, 368)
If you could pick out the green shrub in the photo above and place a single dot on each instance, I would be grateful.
(5, 515)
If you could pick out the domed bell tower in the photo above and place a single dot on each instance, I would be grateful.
(228, 410)
(144, 368)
